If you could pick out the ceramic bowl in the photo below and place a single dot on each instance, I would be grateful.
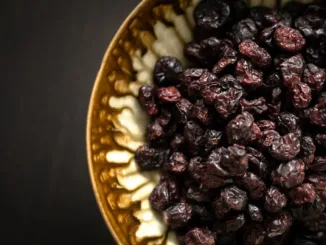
(116, 123)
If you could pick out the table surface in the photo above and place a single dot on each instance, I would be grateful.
(51, 51)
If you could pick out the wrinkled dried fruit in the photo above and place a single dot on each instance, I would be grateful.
(289, 39)
(278, 225)
(318, 165)
(177, 163)
(304, 193)
(274, 200)
(238, 129)
(292, 70)
(289, 175)
(259, 56)
(178, 215)
(234, 197)
(254, 185)
(198, 236)
(164, 195)
(221, 209)
(247, 75)
(147, 99)
(166, 71)
(244, 30)
(255, 213)
(285, 148)
(314, 76)
(149, 158)
(318, 114)
(168, 94)
(257, 106)
(265, 125)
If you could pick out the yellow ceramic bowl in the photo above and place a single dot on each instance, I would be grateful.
(116, 123)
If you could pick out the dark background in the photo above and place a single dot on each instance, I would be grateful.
(50, 52)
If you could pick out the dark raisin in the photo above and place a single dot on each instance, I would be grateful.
(211, 15)
(289, 39)
(149, 158)
(318, 165)
(177, 163)
(178, 215)
(321, 139)
(255, 213)
(301, 95)
(318, 114)
(226, 103)
(289, 175)
(254, 234)
(288, 123)
(166, 71)
(164, 195)
(147, 99)
(177, 143)
(258, 55)
(309, 210)
(266, 36)
(268, 137)
(221, 209)
(183, 110)
(285, 148)
(238, 129)
(256, 106)
(193, 134)
(314, 76)
(168, 94)
(274, 200)
(201, 112)
(164, 118)
(228, 57)
(311, 26)
(154, 131)
(257, 163)
(196, 168)
(234, 197)
(308, 150)
(198, 236)
(317, 224)
(273, 80)
(304, 193)
(235, 160)
(212, 139)
(254, 185)
(254, 133)
(263, 17)
(266, 125)
(292, 70)
(197, 195)
(316, 54)
(244, 30)
(234, 223)
(278, 225)
(247, 75)
(193, 52)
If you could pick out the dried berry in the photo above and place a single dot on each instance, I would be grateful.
(178, 215)
(211, 15)
(198, 195)
(314, 76)
(154, 131)
(164, 118)
(201, 112)
(150, 158)
(238, 129)
(234, 223)
(274, 200)
(266, 125)
(288, 123)
(244, 30)
(226, 103)
(221, 209)
(308, 150)
(177, 143)
(263, 16)
(259, 56)
(318, 114)
(193, 134)
(212, 139)
(255, 213)
(292, 70)
(268, 137)
(289, 175)
(254, 234)
(317, 224)
(289, 39)
(183, 110)
(177, 163)
(254, 185)
(318, 165)
(235, 160)
(164, 195)
(166, 71)
(168, 94)
(301, 95)
(321, 139)
(278, 225)
(285, 148)
(247, 75)
(196, 168)
(198, 236)
(257, 106)
(229, 57)
(273, 80)
(234, 197)
(309, 210)
(304, 193)
(147, 99)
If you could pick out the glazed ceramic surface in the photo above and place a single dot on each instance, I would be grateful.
(116, 123)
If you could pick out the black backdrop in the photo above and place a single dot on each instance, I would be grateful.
(50, 52)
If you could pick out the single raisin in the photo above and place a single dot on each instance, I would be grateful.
(168, 94)
(221, 209)
(178, 215)
(255, 213)
(199, 236)
(149, 158)
(167, 70)
(254, 234)
(266, 125)
(321, 139)
(234, 197)
(274, 200)
(285, 148)
(289, 175)
(235, 160)
(212, 139)
(234, 223)
(164, 195)
(301, 95)
(308, 150)
(314, 76)
(177, 143)
(318, 114)
(318, 165)
(256, 106)
(247, 75)
(304, 193)
(226, 103)
(201, 112)
(289, 39)
(244, 30)
(278, 225)
(147, 99)
(193, 134)
(183, 109)
(292, 70)
(258, 55)
(309, 210)
(254, 185)
(177, 163)
(238, 129)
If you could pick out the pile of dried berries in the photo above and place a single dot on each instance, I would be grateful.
(240, 136)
